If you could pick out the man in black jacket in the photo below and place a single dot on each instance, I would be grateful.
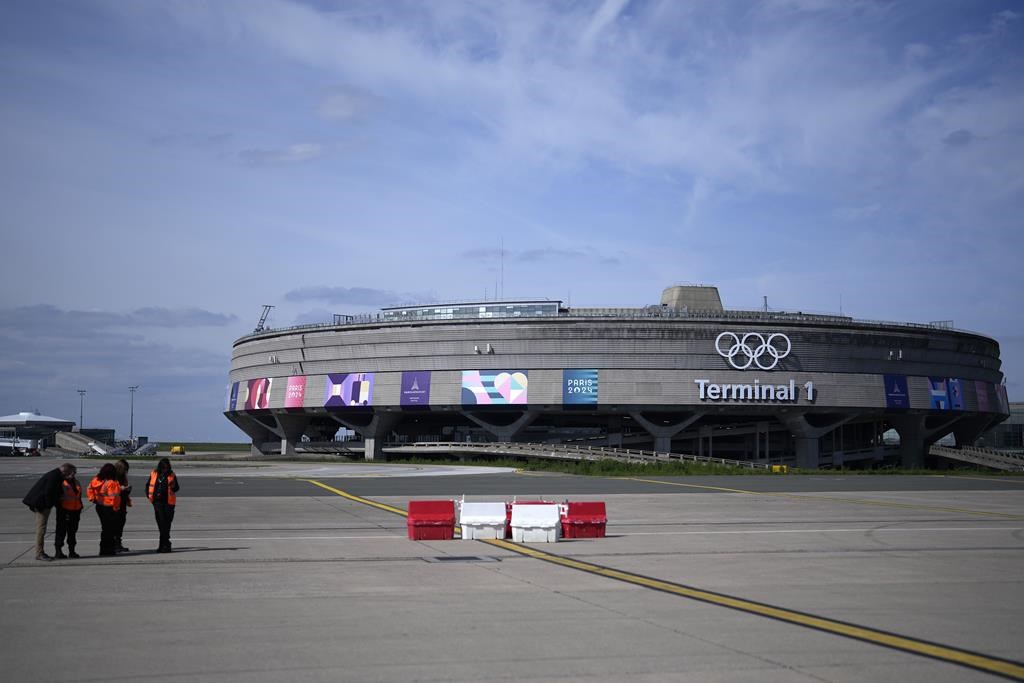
(42, 497)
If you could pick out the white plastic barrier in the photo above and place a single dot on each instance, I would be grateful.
(482, 520)
(535, 523)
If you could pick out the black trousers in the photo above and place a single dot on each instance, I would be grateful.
(122, 519)
(67, 527)
(164, 514)
(108, 529)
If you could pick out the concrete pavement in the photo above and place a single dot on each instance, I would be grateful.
(313, 586)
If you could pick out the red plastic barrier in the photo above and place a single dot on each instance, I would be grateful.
(584, 520)
(431, 520)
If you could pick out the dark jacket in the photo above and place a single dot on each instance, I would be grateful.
(46, 492)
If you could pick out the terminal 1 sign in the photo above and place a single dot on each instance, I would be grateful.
(755, 391)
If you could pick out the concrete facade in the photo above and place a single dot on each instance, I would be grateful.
(660, 375)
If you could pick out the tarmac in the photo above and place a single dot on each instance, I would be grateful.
(760, 578)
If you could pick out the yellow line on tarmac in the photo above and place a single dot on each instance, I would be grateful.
(835, 499)
(357, 499)
(367, 501)
(1000, 667)
(973, 660)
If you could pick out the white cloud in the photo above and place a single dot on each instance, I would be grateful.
(293, 154)
(608, 12)
(346, 104)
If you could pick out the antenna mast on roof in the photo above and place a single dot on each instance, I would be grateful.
(501, 251)
(263, 319)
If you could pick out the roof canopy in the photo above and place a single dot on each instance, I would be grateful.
(31, 419)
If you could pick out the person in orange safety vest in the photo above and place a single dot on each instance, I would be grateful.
(105, 492)
(69, 512)
(161, 490)
(121, 469)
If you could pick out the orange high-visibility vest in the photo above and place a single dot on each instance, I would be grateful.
(151, 487)
(107, 493)
(110, 494)
(93, 492)
(72, 496)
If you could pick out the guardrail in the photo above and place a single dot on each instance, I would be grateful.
(565, 452)
(650, 313)
(1009, 462)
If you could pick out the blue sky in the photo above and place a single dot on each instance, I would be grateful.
(170, 167)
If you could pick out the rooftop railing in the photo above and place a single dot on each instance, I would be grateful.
(647, 313)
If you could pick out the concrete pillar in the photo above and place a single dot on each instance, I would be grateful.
(663, 433)
(256, 431)
(291, 428)
(807, 452)
(373, 448)
(919, 436)
(506, 433)
(912, 440)
(374, 431)
(615, 431)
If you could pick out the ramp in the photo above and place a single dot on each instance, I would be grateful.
(79, 443)
(985, 457)
(560, 452)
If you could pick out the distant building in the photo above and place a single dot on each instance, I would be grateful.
(687, 375)
(30, 430)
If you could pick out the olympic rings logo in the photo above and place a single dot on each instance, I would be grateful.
(752, 349)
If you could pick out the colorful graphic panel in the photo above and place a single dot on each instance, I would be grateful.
(415, 388)
(956, 393)
(232, 398)
(981, 389)
(579, 387)
(257, 395)
(295, 392)
(939, 393)
(896, 393)
(349, 389)
(494, 387)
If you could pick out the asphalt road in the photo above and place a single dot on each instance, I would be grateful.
(219, 479)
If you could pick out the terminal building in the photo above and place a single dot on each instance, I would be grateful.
(29, 431)
(686, 376)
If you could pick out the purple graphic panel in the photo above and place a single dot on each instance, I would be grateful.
(295, 392)
(349, 389)
(258, 393)
(415, 388)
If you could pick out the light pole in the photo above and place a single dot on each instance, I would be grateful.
(131, 424)
(81, 408)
